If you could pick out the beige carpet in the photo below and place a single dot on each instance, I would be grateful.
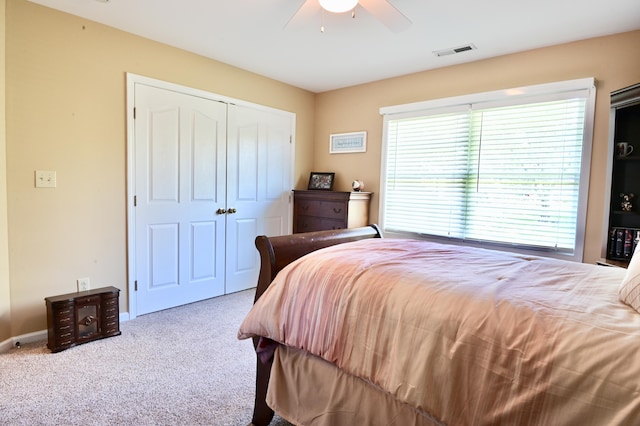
(181, 366)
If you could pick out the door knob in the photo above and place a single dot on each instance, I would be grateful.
(221, 211)
(231, 210)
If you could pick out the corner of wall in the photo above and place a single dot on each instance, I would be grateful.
(5, 288)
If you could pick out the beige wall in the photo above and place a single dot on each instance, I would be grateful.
(5, 289)
(614, 61)
(65, 111)
(65, 99)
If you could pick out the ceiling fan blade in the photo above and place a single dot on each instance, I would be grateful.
(304, 13)
(387, 14)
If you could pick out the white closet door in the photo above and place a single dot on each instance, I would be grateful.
(180, 180)
(258, 187)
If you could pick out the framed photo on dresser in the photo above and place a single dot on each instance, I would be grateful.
(321, 180)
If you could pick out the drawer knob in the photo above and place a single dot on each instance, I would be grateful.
(88, 320)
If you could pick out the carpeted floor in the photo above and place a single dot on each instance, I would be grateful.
(181, 366)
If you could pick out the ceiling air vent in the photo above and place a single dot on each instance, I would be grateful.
(454, 50)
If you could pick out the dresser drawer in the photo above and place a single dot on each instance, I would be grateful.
(63, 343)
(327, 209)
(64, 311)
(324, 210)
(65, 317)
(311, 223)
(65, 338)
(64, 323)
(88, 300)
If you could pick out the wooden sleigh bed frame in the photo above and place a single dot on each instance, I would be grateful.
(503, 338)
(275, 254)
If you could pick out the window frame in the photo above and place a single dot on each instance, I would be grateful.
(513, 96)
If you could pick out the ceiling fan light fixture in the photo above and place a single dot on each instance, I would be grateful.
(338, 6)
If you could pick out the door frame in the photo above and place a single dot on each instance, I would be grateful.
(131, 81)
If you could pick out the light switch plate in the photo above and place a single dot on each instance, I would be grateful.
(83, 284)
(45, 179)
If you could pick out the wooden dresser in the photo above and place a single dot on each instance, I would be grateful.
(81, 317)
(320, 210)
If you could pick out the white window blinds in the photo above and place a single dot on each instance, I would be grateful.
(508, 171)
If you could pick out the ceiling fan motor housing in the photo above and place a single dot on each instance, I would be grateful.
(338, 6)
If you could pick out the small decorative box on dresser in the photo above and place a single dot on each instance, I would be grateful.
(81, 317)
(320, 210)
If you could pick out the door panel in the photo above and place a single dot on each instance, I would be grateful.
(246, 231)
(258, 187)
(276, 169)
(205, 155)
(203, 248)
(246, 156)
(180, 182)
(163, 251)
(163, 155)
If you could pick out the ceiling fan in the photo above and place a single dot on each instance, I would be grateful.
(382, 10)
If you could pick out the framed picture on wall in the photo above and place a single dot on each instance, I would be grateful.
(348, 142)
(321, 180)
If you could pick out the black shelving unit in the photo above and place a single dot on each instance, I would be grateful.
(624, 226)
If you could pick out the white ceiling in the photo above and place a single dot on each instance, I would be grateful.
(251, 34)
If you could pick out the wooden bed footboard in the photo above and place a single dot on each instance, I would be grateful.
(275, 254)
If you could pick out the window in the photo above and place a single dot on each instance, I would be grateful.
(506, 168)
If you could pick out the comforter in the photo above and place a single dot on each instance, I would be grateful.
(467, 335)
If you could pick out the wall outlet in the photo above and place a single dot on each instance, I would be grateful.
(45, 179)
(83, 284)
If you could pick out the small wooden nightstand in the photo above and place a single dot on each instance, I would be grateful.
(321, 210)
(82, 317)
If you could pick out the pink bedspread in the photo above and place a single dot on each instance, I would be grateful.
(470, 336)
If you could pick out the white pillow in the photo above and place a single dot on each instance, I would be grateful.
(629, 291)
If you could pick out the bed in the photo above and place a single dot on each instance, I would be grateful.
(351, 328)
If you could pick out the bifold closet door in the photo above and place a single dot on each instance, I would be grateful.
(258, 188)
(180, 184)
(209, 177)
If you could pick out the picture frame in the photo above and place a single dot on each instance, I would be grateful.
(321, 181)
(340, 143)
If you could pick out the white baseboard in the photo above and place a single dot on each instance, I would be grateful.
(37, 336)
(22, 339)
